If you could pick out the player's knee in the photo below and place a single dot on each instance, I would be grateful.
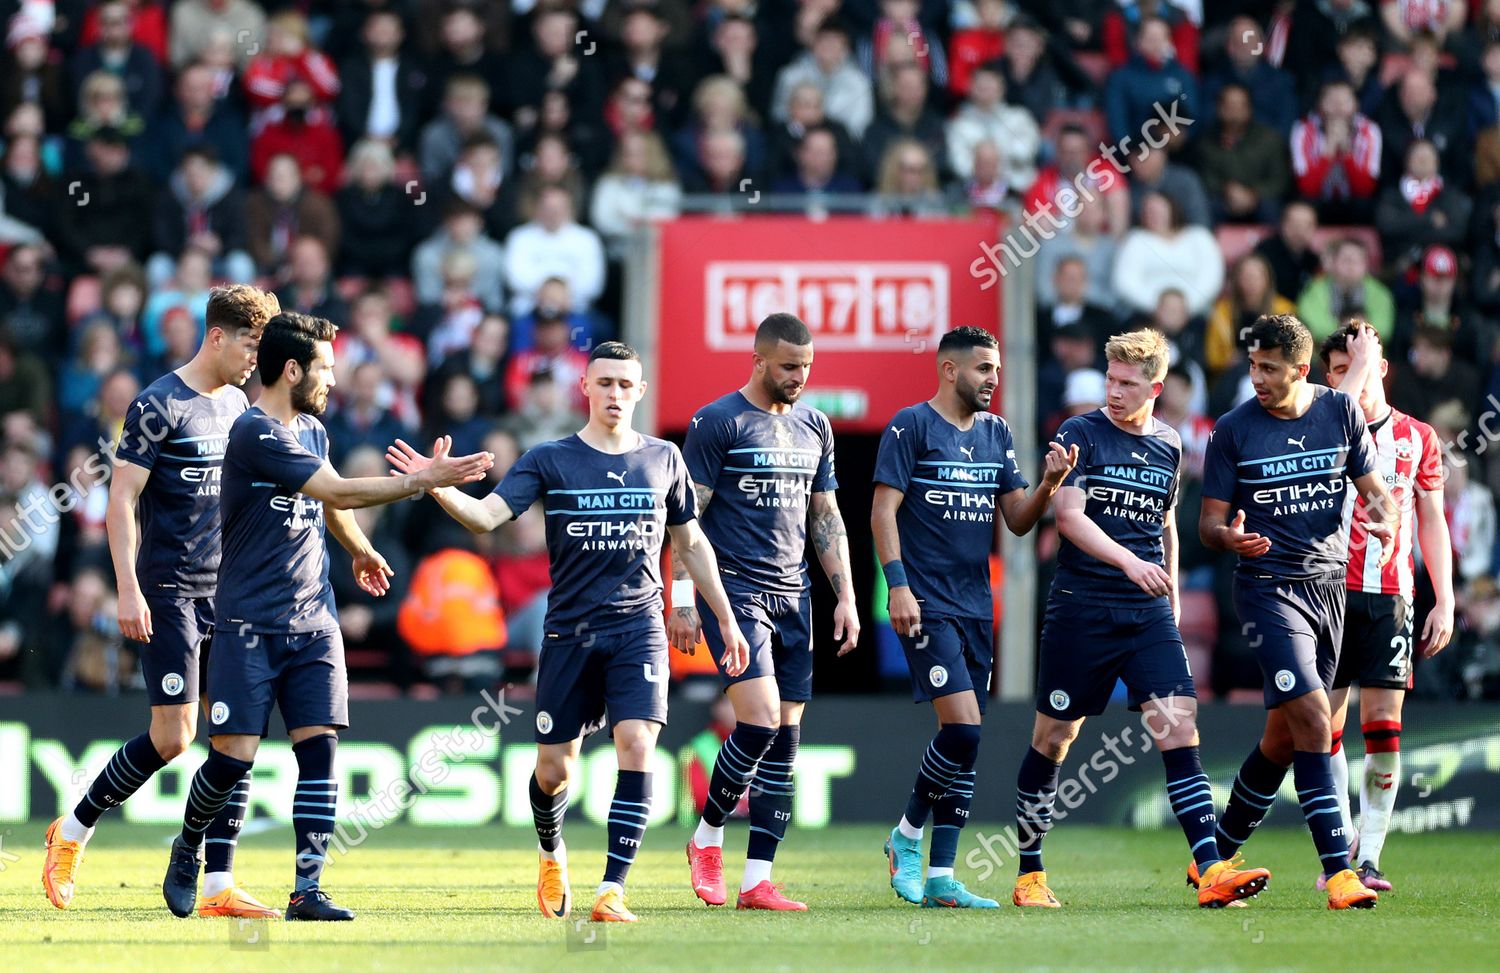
(634, 751)
(551, 774)
(1183, 733)
(962, 740)
(172, 741)
(1053, 741)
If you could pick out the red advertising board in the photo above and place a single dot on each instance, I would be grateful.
(877, 294)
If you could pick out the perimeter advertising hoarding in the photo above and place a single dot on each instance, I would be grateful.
(466, 761)
(877, 295)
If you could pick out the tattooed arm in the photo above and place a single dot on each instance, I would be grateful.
(684, 628)
(831, 542)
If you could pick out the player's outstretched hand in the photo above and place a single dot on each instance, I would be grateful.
(134, 616)
(1150, 578)
(1438, 630)
(1060, 463)
(372, 574)
(906, 614)
(846, 626)
(1241, 543)
(450, 470)
(404, 459)
(736, 658)
(684, 628)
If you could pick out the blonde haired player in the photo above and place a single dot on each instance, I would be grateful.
(1112, 614)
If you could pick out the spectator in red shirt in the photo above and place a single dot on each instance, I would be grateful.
(1079, 169)
(300, 128)
(148, 27)
(288, 57)
(553, 353)
(1120, 25)
(972, 46)
(1336, 157)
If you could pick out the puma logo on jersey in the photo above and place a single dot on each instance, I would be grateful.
(267, 435)
(898, 430)
(1296, 442)
(1140, 456)
(617, 476)
(696, 420)
(967, 451)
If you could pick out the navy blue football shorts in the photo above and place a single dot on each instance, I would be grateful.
(302, 674)
(174, 661)
(1295, 629)
(950, 655)
(1087, 647)
(779, 631)
(588, 680)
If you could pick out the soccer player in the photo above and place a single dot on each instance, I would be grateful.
(765, 460)
(277, 641)
(609, 493)
(944, 467)
(163, 524)
(1112, 614)
(1273, 493)
(1378, 623)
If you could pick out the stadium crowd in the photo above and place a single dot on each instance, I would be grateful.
(453, 182)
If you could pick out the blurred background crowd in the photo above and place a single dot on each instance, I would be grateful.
(455, 184)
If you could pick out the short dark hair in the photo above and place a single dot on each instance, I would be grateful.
(1436, 337)
(782, 327)
(967, 338)
(1233, 86)
(613, 351)
(834, 24)
(1339, 340)
(1284, 333)
(291, 336)
(204, 151)
(240, 306)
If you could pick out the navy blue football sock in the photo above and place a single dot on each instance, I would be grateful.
(950, 752)
(734, 769)
(628, 814)
(771, 795)
(130, 767)
(547, 812)
(313, 806)
(1036, 791)
(212, 787)
(1252, 795)
(1313, 775)
(949, 815)
(224, 831)
(1193, 802)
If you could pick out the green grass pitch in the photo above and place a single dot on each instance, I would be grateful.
(432, 900)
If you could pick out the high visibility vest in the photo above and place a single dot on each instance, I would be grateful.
(452, 606)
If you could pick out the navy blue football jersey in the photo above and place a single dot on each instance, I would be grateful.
(606, 515)
(179, 434)
(274, 576)
(1289, 476)
(762, 467)
(952, 479)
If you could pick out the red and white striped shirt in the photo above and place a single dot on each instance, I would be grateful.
(1410, 460)
(1323, 172)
